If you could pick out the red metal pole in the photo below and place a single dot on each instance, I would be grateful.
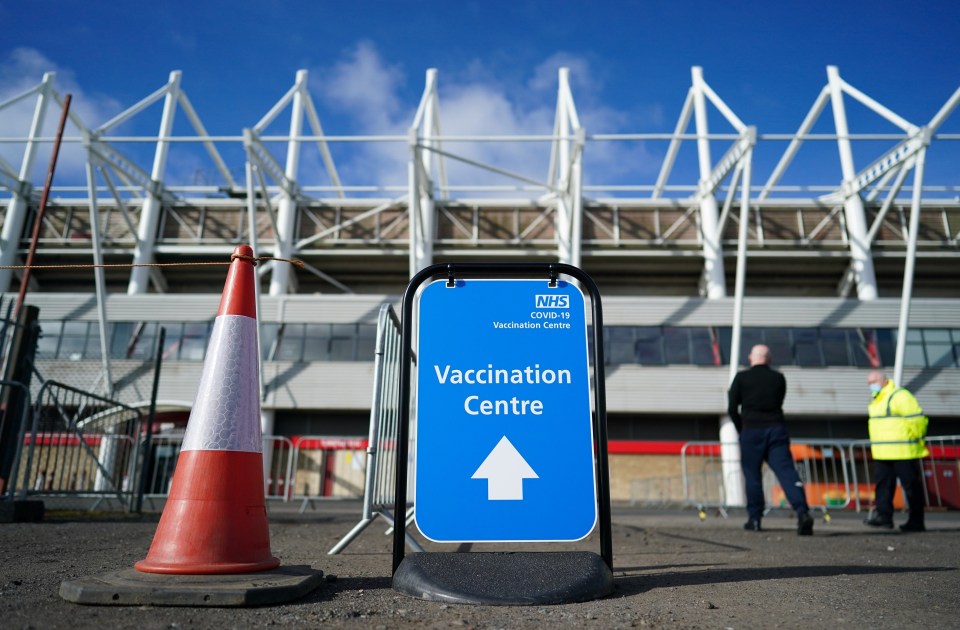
(25, 279)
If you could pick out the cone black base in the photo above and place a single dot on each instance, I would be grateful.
(130, 587)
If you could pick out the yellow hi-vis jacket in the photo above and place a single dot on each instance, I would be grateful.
(896, 416)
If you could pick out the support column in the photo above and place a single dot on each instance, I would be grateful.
(151, 209)
(729, 438)
(281, 277)
(908, 267)
(17, 209)
(569, 219)
(420, 178)
(861, 259)
(99, 280)
(714, 281)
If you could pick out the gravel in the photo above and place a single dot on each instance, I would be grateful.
(671, 570)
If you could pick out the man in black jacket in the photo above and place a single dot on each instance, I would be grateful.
(755, 404)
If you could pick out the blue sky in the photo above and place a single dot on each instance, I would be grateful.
(497, 61)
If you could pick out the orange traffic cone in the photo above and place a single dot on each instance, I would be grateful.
(215, 519)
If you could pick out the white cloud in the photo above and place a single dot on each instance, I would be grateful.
(367, 88)
(22, 70)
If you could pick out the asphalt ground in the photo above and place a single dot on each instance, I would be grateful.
(671, 570)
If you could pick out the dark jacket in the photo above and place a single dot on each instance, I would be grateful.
(755, 399)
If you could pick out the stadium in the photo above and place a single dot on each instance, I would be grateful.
(835, 242)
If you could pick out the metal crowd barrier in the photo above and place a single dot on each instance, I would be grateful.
(326, 467)
(80, 447)
(279, 476)
(941, 473)
(822, 466)
(306, 469)
(379, 484)
(703, 479)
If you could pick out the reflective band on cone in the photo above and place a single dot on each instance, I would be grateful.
(215, 518)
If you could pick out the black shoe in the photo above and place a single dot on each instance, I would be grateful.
(805, 524)
(879, 521)
(752, 525)
(909, 527)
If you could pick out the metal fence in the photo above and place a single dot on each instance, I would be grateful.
(379, 484)
(941, 474)
(837, 475)
(80, 446)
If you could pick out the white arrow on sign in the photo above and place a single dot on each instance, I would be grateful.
(505, 469)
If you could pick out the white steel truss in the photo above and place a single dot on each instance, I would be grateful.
(129, 210)
(424, 215)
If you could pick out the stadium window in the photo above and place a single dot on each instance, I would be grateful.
(343, 338)
(618, 342)
(724, 334)
(290, 344)
(142, 341)
(120, 335)
(316, 342)
(92, 349)
(702, 347)
(172, 340)
(864, 350)
(648, 346)
(49, 340)
(778, 340)
(939, 348)
(268, 341)
(887, 345)
(366, 342)
(914, 354)
(73, 340)
(836, 351)
(806, 347)
(676, 345)
(194, 341)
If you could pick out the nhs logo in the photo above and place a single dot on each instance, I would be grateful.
(552, 301)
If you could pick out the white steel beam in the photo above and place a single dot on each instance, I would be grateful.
(862, 261)
(424, 149)
(568, 173)
(16, 213)
(674, 147)
(713, 275)
(280, 279)
(99, 282)
(796, 141)
(908, 269)
(151, 210)
(729, 442)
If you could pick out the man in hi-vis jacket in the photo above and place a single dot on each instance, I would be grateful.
(897, 431)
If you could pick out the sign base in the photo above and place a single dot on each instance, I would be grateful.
(504, 579)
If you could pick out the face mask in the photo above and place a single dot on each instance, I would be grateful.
(875, 389)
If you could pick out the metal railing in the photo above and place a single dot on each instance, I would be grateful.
(379, 490)
(822, 466)
(941, 473)
(80, 446)
(837, 475)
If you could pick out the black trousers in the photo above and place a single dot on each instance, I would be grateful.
(911, 478)
(771, 445)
